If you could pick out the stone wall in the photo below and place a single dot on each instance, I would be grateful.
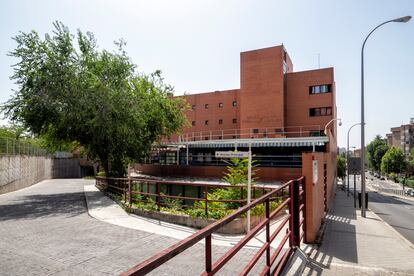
(20, 171)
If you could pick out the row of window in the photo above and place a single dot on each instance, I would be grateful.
(320, 111)
(220, 105)
(320, 89)
(220, 121)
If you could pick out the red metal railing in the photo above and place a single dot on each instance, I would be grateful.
(274, 263)
(130, 188)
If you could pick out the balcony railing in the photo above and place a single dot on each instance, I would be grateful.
(251, 133)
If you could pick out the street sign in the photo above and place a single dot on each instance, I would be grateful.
(354, 165)
(314, 171)
(232, 154)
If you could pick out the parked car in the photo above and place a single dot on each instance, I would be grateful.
(409, 191)
(382, 178)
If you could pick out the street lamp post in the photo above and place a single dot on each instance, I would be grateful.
(326, 126)
(347, 157)
(401, 20)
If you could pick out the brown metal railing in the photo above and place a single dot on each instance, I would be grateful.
(274, 262)
(129, 189)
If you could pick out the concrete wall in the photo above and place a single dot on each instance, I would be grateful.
(20, 171)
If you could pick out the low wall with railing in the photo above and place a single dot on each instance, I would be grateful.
(277, 246)
(263, 173)
(161, 195)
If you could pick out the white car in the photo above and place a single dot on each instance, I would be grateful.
(409, 191)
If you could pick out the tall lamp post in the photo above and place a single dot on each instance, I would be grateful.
(347, 157)
(399, 20)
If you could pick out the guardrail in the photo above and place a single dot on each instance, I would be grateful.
(141, 189)
(274, 263)
(252, 133)
(11, 146)
(390, 191)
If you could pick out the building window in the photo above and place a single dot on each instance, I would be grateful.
(206, 106)
(234, 103)
(320, 111)
(220, 121)
(220, 105)
(193, 123)
(320, 89)
(255, 130)
(193, 107)
(206, 122)
(234, 121)
(206, 138)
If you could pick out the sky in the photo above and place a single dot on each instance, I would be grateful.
(197, 45)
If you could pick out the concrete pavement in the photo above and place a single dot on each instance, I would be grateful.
(105, 209)
(45, 229)
(352, 245)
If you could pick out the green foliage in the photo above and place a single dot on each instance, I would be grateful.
(171, 203)
(237, 171)
(101, 173)
(340, 166)
(69, 91)
(376, 150)
(393, 161)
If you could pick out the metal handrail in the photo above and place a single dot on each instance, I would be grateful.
(126, 190)
(205, 233)
(275, 132)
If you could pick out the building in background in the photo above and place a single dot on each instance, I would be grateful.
(277, 112)
(402, 137)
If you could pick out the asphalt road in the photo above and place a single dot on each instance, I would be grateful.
(397, 212)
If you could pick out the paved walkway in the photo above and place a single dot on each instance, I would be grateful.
(353, 245)
(46, 230)
(105, 209)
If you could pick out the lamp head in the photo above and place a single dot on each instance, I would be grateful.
(403, 19)
(340, 123)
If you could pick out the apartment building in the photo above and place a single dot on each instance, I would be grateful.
(402, 137)
(277, 112)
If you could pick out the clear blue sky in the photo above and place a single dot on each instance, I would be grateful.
(197, 43)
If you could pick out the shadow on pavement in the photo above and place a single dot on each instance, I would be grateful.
(378, 198)
(44, 205)
(339, 238)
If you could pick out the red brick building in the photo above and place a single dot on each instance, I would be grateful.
(279, 112)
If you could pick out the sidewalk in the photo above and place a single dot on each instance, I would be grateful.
(105, 209)
(353, 245)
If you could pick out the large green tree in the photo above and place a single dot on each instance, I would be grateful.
(376, 150)
(393, 161)
(71, 91)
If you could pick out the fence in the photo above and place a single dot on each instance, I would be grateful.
(253, 133)
(274, 261)
(10, 146)
(399, 192)
(160, 191)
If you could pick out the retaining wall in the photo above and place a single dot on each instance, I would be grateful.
(20, 171)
